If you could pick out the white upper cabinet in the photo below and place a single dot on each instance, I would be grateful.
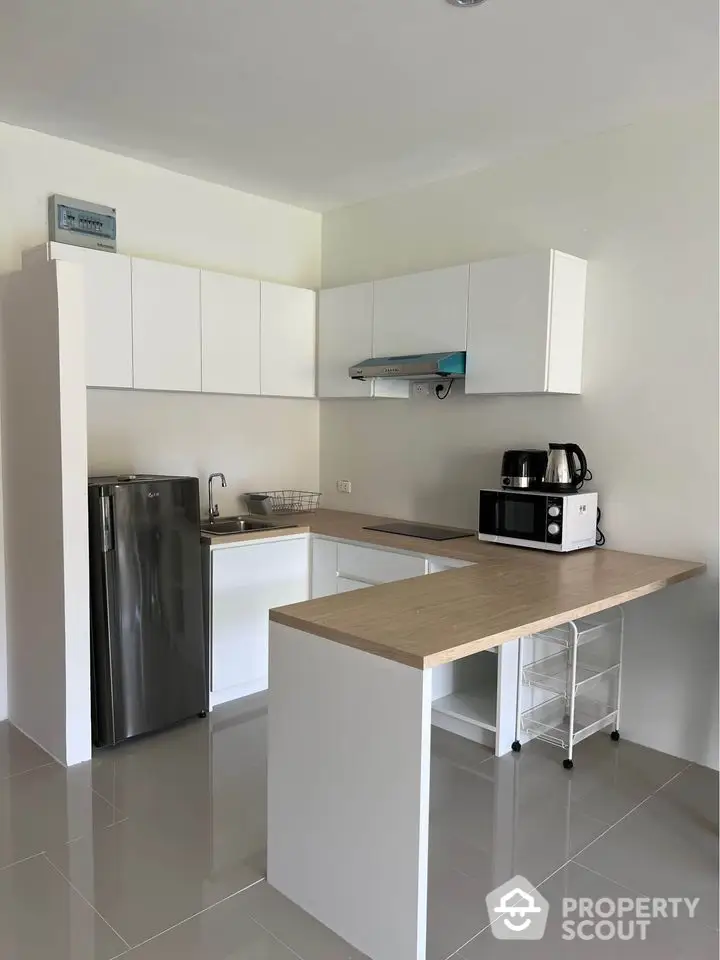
(166, 326)
(108, 313)
(525, 324)
(421, 313)
(345, 326)
(287, 341)
(230, 311)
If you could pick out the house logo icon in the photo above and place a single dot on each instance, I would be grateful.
(517, 911)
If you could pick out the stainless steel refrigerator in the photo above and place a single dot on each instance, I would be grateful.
(149, 651)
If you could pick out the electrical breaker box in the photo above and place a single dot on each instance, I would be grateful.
(82, 224)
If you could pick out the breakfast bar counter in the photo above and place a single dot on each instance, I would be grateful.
(350, 700)
(427, 621)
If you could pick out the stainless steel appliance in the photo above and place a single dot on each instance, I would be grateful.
(546, 521)
(523, 469)
(149, 652)
(561, 474)
(420, 366)
(423, 531)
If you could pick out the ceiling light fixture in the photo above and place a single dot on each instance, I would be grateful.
(466, 3)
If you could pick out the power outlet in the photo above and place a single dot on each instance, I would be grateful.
(344, 486)
(421, 389)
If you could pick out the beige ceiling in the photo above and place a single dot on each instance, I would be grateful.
(325, 102)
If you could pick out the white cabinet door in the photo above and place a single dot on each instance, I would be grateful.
(345, 323)
(230, 314)
(525, 324)
(323, 581)
(421, 313)
(108, 314)
(247, 581)
(377, 566)
(287, 341)
(166, 326)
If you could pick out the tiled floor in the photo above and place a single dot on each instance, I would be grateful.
(156, 850)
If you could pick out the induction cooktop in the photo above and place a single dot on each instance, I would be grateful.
(423, 531)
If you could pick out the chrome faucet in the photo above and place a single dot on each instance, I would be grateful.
(214, 509)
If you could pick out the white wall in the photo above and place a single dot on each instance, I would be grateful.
(641, 204)
(44, 478)
(254, 441)
(172, 217)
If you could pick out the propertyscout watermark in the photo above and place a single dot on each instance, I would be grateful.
(518, 911)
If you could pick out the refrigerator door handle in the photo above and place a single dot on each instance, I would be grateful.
(107, 533)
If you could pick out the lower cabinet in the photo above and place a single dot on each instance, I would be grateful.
(345, 585)
(338, 566)
(247, 580)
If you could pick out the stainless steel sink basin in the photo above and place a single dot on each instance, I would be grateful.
(229, 525)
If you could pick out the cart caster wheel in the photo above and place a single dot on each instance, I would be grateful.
(568, 764)
(202, 714)
(615, 735)
(515, 746)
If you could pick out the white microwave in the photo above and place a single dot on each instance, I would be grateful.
(532, 518)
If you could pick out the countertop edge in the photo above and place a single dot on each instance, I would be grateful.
(347, 639)
(451, 654)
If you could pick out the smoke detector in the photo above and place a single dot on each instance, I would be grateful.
(466, 3)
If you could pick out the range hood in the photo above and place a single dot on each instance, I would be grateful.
(418, 366)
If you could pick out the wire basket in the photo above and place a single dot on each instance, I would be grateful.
(291, 501)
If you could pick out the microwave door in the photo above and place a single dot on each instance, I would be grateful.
(522, 517)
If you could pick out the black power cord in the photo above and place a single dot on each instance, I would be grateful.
(599, 535)
(438, 389)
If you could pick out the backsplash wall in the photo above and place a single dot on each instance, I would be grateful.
(257, 442)
(640, 204)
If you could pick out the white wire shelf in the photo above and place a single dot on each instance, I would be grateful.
(552, 672)
(550, 720)
(589, 628)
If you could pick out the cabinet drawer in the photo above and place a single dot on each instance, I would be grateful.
(377, 566)
(344, 585)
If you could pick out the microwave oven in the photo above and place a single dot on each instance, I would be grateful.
(545, 521)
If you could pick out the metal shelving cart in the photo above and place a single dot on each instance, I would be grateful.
(578, 685)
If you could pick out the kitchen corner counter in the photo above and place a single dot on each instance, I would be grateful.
(349, 723)
(507, 592)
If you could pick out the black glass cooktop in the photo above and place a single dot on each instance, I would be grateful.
(424, 531)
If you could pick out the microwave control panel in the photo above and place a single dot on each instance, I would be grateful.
(554, 519)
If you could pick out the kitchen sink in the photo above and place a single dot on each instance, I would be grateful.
(230, 525)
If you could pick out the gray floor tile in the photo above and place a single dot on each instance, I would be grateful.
(46, 807)
(661, 850)
(456, 909)
(18, 753)
(194, 799)
(607, 781)
(492, 830)
(309, 939)
(41, 916)
(463, 753)
(223, 932)
(213, 770)
(145, 878)
(695, 793)
(666, 939)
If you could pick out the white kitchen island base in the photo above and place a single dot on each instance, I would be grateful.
(348, 790)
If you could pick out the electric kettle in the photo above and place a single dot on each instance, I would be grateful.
(561, 474)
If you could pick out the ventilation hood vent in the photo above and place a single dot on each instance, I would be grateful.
(420, 366)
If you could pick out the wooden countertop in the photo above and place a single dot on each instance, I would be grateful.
(507, 593)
